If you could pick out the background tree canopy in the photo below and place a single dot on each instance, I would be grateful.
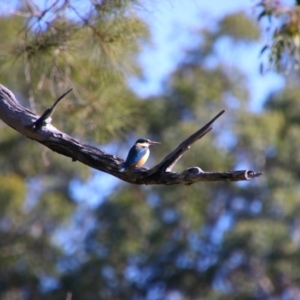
(68, 232)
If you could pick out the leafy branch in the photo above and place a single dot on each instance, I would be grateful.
(283, 33)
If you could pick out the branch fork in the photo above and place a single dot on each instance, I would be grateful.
(39, 129)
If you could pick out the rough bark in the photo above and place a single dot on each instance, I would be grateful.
(39, 129)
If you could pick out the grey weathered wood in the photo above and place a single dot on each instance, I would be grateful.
(23, 121)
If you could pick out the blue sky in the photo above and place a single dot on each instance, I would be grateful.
(172, 23)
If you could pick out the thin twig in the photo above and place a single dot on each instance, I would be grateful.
(45, 117)
(170, 160)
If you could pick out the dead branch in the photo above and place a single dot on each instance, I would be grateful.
(24, 121)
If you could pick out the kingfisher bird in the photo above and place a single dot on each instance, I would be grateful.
(138, 154)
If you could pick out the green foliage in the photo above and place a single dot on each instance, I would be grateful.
(12, 191)
(205, 241)
(44, 51)
(244, 32)
(93, 51)
(282, 33)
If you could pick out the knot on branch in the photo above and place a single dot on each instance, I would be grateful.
(190, 174)
(251, 174)
(194, 171)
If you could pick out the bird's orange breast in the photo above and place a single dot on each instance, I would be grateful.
(143, 159)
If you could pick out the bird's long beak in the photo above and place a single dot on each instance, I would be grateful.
(153, 143)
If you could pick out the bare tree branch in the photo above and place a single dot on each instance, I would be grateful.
(23, 121)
